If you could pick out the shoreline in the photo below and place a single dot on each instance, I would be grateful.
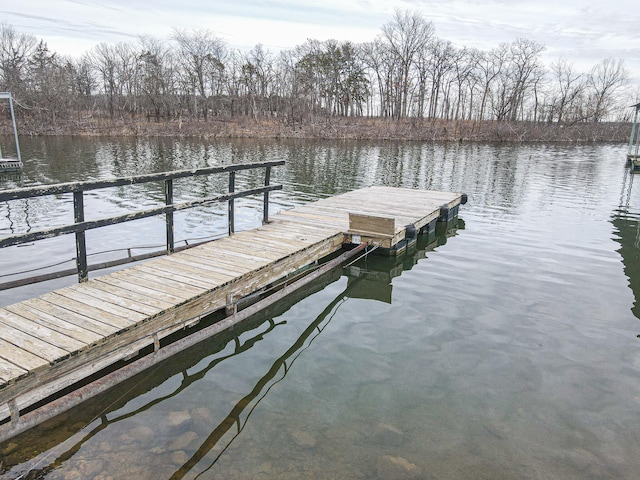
(340, 128)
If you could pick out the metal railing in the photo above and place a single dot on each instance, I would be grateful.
(80, 226)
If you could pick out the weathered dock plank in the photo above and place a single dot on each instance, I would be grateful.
(21, 358)
(87, 309)
(9, 370)
(225, 266)
(44, 308)
(146, 292)
(94, 290)
(166, 284)
(181, 275)
(33, 345)
(139, 300)
(106, 308)
(49, 321)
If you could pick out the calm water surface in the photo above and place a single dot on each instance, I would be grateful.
(504, 347)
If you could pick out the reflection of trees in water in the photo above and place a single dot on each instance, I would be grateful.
(493, 174)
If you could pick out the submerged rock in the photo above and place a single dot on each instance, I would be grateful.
(103, 477)
(386, 434)
(179, 457)
(183, 441)
(90, 468)
(202, 421)
(265, 468)
(202, 414)
(73, 474)
(141, 434)
(9, 448)
(303, 439)
(396, 468)
(175, 419)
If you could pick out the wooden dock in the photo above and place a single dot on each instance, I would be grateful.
(49, 343)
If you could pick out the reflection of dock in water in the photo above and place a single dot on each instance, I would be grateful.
(368, 278)
(627, 226)
(371, 278)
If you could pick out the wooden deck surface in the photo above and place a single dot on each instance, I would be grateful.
(50, 342)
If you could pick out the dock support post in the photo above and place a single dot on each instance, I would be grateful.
(232, 188)
(168, 196)
(81, 244)
(265, 208)
(445, 213)
(231, 308)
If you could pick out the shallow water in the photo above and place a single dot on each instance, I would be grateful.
(503, 347)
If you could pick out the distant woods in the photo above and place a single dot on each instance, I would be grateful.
(406, 74)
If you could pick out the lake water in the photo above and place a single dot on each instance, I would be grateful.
(503, 347)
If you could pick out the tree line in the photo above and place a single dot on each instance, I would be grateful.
(406, 72)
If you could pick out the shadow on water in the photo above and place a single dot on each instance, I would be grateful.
(48, 447)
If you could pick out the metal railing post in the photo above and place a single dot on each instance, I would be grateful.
(81, 244)
(265, 207)
(168, 196)
(232, 188)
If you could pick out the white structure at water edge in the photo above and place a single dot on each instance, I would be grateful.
(11, 164)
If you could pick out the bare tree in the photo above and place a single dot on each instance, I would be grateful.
(15, 51)
(156, 77)
(518, 78)
(489, 66)
(258, 76)
(127, 71)
(201, 55)
(568, 92)
(49, 85)
(406, 35)
(104, 60)
(605, 81)
(442, 62)
(379, 59)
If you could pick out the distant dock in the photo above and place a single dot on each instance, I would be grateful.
(8, 165)
(633, 153)
(52, 347)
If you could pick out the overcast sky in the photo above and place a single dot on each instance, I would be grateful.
(584, 32)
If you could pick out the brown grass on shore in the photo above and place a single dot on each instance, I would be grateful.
(348, 128)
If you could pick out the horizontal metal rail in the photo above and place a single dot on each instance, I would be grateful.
(80, 226)
(104, 222)
(70, 187)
